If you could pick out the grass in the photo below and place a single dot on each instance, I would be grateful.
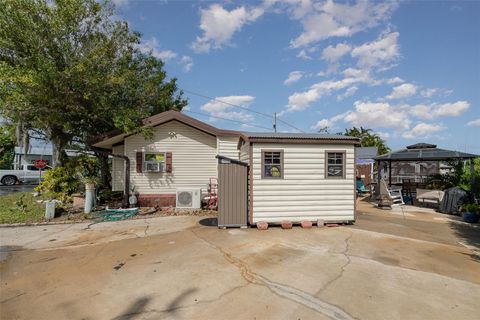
(21, 207)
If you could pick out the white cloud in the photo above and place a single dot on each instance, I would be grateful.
(349, 92)
(152, 46)
(293, 77)
(395, 80)
(377, 115)
(187, 63)
(434, 110)
(403, 91)
(475, 122)
(422, 130)
(322, 124)
(221, 107)
(299, 101)
(378, 53)
(428, 93)
(219, 25)
(329, 19)
(333, 54)
(304, 55)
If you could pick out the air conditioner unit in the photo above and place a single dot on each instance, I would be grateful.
(188, 198)
(153, 166)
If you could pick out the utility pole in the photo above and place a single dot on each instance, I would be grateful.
(275, 122)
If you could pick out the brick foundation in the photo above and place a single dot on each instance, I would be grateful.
(157, 200)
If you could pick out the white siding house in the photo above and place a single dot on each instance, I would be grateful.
(183, 147)
(291, 178)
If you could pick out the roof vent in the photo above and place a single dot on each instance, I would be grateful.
(422, 146)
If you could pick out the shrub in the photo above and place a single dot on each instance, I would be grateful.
(60, 183)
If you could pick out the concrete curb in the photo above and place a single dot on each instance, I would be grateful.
(48, 223)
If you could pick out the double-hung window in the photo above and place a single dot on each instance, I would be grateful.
(272, 164)
(335, 166)
(155, 162)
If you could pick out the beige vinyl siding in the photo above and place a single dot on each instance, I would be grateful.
(244, 153)
(303, 193)
(118, 170)
(227, 147)
(193, 155)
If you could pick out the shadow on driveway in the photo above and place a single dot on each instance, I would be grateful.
(469, 234)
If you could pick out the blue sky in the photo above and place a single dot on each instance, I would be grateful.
(409, 70)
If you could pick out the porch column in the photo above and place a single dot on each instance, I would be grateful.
(379, 172)
(390, 173)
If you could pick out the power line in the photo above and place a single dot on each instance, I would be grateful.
(243, 108)
(241, 122)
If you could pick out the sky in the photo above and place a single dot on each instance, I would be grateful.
(408, 70)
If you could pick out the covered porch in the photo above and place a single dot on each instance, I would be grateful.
(411, 168)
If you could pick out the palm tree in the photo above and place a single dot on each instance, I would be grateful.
(368, 139)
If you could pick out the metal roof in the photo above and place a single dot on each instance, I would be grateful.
(288, 135)
(424, 152)
(45, 150)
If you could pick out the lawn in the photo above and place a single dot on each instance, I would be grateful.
(21, 207)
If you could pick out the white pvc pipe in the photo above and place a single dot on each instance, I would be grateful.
(89, 197)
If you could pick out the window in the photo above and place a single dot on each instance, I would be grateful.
(272, 164)
(335, 167)
(155, 162)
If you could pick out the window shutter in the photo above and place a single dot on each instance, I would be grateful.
(169, 167)
(139, 160)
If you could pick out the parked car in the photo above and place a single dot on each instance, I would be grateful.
(27, 173)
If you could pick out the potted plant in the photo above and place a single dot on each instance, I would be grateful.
(470, 212)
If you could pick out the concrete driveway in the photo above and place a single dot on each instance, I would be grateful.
(387, 266)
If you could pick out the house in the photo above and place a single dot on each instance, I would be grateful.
(33, 153)
(364, 164)
(297, 176)
(180, 154)
(290, 176)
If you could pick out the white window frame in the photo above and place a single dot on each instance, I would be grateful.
(161, 165)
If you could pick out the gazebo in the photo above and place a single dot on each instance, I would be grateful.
(425, 153)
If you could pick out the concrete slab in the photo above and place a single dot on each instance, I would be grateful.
(177, 268)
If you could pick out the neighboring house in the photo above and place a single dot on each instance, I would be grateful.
(364, 164)
(33, 153)
(296, 176)
(180, 154)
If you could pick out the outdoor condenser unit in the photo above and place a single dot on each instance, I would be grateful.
(189, 198)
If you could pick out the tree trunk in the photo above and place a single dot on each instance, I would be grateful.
(104, 170)
(58, 151)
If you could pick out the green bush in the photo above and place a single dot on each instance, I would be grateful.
(60, 183)
(472, 208)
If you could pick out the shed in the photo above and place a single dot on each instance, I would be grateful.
(297, 176)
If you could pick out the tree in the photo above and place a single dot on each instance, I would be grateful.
(368, 139)
(71, 71)
(7, 145)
